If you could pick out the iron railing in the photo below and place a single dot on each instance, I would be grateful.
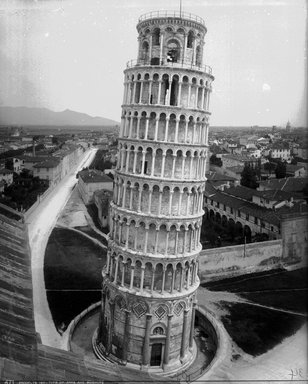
(165, 63)
(179, 14)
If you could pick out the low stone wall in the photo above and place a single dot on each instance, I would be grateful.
(72, 325)
(39, 199)
(226, 262)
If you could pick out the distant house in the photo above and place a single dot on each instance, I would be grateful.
(233, 160)
(281, 150)
(48, 170)
(295, 170)
(93, 180)
(6, 175)
(102, 199)
(289, 184)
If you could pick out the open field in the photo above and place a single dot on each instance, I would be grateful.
(256, 330)
(72, 271)
(280, 288)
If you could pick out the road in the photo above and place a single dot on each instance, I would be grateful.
(40, 224)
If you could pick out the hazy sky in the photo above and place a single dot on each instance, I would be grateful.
(71, 54)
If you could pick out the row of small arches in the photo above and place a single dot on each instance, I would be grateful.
(149, 238)
(155, 200)
(156, 277)
(172, 75)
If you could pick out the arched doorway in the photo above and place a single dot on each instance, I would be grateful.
(156, 355)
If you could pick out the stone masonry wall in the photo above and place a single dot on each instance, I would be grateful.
(226, 262)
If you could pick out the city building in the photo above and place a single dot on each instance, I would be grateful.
(6, 175)
(48, 170)
(150, 280)
(91, 180)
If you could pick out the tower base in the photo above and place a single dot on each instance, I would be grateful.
(174, 367)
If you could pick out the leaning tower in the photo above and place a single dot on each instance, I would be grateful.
(150, 280)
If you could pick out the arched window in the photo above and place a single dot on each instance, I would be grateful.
(190, 39)
(156, 36)
(158, 331)
(145, 51)
(173, 51)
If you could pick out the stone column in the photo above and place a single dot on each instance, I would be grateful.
(150, 47)
(184, 48)
(143, 162)
(146, 238)
(180, 202)
(127, 159)
(186, 129)
(108, 263)
(124, 195)
(150, 91)
(130, 126)
(132, 272)
(142, 278)
(176, 130)
(127, 235)
(150, 200)
(179, 101)
(184, 333)
(167, 129)
(123, 273)
(153, 162)
(131, 197)
(163, 165)
(146, 128)
(183, 166)
(146, 343)
(173, 165)
(159, 91)
(152, 279)
(138, 127)
(161, 47)
(135, 160)
(202, 97)
(197, 96)
(156, 128)
(189, 94)
(192, 326)
(164, 278)
(116, 269)
(134, 92)
(167, 241)
(139, 200)
(170, 202)
(173, 278)
(141, 91)
(167, 344)
(156, 240)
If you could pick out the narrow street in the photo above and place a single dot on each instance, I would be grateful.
(40, 224)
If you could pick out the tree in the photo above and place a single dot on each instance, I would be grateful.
(215, 160)
(281, 170)
(249, 177)
(270, 166)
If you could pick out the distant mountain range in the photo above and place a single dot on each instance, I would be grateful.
(45, 117)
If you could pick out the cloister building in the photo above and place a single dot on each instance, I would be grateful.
(150, 280)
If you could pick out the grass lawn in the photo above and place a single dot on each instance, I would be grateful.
(72, 272)
(275, 279)
(279, 289)
(257, 330)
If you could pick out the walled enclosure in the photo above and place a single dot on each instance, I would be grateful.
(150, 280)
(226, 262)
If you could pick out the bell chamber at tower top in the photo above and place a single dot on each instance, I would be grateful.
(171, 39)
